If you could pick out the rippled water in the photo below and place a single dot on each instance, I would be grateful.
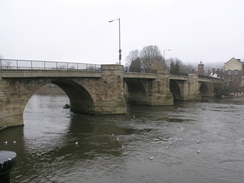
(118, 148)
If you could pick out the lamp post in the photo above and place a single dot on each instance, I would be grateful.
(120, 55)
(164, 53)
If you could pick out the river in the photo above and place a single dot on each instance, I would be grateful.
(188, 142)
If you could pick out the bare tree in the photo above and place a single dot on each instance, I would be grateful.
(133, 55)
(149, 55)
(62, 67)
(177, 66)
(185, 68)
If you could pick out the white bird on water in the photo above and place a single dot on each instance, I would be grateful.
(14, 142)
(76, 143)
(198, 151)
(151, 158)
(6, 142)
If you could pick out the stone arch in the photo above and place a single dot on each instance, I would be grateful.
(136, 91)
(204, 90)
(80, 99)
(175, 90)
(24, 89)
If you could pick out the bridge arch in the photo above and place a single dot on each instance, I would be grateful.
(137, 91)
(80, 99)
(204, 90)
(176, 90)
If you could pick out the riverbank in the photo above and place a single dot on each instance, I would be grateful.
(241, 99)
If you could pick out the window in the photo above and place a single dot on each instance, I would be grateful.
(229, 72)
(236, 72)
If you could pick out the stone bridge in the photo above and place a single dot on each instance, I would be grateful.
(104, 91)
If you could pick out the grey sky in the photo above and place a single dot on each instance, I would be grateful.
(78, 30)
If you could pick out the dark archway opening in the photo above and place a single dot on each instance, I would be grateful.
(135, 92)
(80, 100)
(204, 90)
(175, 90)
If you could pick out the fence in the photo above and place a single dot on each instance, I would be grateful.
(46, 65)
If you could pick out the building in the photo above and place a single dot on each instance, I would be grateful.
(234, 72)
(201, 69)
(216, 74)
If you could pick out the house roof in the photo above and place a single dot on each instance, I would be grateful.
(232, 59)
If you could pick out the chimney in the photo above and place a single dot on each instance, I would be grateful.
(218, 73)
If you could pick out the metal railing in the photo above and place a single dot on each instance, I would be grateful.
(46, 65)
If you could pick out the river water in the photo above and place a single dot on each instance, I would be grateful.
(119, 148)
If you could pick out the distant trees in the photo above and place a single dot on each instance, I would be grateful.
(185, 68)
(133, 55)
(134, 61)
(175, 65)
(148, 58)
(151, 55)
(135, 65)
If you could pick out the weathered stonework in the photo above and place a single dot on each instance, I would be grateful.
(161, 94)
(191, 88)
(98, 95)
(96, 92)
(110, 94)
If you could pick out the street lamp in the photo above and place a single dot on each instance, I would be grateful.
(164, 53)
(120, 55)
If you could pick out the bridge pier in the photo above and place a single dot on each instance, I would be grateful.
(191, 88)
(11, 106)
(161, 94)
(110, 93)
(153, 89)
(206, 89)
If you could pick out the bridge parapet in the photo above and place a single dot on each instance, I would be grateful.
(46, 65)
(139, 75)
(179, 77)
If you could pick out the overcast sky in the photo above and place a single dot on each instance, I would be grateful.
(78, 30)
